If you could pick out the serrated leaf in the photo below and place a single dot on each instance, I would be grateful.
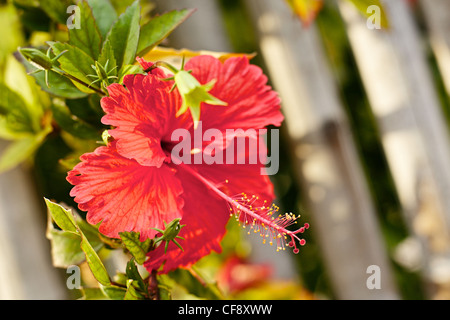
(87, 37)
(124, 35)
(72, 124)
(76, 63)
(159, 27)
(104, 14)
(306, 10)
(137, 248)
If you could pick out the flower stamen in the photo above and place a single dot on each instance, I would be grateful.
(260, 218)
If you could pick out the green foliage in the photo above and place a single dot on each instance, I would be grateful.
(137, 248)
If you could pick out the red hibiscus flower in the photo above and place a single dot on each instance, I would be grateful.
(133, 183)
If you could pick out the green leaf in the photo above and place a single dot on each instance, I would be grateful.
(132, 293)
(65, 245)
(158, 28)
(72, 124)
(132, 272)
(62, 217)
(94, 262)
(137, 248)
(129, 69)
(105, 15)
(114, 292)
(87, 37)
(66, 221)
(65, 248)
(107, 57)
(76, 63)
(124, 35)
(56, 10)
(363, 5)
(58, 85)
(20, 150)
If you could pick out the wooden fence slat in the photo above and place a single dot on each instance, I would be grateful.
(398, 83)
(324, 152)
(26, 270)
(437, 19)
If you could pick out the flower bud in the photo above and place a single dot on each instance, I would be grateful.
(193, 94)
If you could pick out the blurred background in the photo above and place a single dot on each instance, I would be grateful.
(364, 149)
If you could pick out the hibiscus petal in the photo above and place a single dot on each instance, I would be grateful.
(123, 195)
(243, 86)
(205, 216)
(140, 113)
